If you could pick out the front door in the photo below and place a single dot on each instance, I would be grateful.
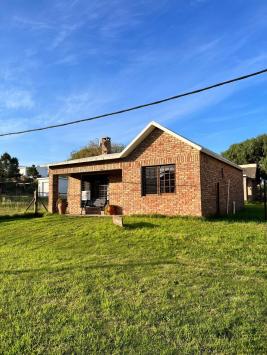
(99, 190)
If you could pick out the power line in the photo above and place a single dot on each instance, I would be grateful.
(139, 106)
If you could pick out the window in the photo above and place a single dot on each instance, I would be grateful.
(167, 178)
(150, 180)
(158, 179)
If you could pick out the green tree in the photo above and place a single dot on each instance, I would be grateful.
(9, 167)
(32, 171)
(93, 148)
(250, 151)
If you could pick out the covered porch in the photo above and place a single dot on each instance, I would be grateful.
(90, 192)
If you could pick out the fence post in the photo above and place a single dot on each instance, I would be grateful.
(264, 194)
(218, 199)
(228, 197)
(35, 201)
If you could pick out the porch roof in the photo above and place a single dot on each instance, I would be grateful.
(249, 170)
(88, 159)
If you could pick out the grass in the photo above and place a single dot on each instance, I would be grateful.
(160, 285)
(18, 204)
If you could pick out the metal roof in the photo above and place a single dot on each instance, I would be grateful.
(249, 170)
(137, 140)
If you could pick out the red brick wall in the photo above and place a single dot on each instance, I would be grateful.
(53, 192)
(211, 174)
(157, 149)
(91, 167)
(74, 194)
(116, 191)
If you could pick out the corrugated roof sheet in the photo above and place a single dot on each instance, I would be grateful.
(250, 170)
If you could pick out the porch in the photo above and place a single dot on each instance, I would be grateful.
(89, 193)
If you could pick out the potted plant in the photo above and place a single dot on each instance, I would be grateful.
(110, 209)
(62, 205)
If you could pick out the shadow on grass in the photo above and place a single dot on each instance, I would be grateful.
(130, 265)
(14, 217)
(139, 225)
(252, 212)
(93, 266)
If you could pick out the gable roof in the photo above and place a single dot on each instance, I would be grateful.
(138, 139)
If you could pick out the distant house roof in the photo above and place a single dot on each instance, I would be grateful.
(138, 139)
(249, 170)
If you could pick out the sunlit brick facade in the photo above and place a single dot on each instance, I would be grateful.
(204, 185)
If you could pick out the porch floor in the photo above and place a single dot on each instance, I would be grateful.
(92, 215)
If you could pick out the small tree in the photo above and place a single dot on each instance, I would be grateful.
(252, 150)
(9, 167)
(93, 148)
(32, 172)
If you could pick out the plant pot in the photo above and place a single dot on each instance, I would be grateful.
(62, 207)
(111, 209)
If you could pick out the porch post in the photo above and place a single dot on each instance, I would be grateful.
(74, 194)
(53, 192)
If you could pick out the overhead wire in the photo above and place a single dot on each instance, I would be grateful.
(133, 108)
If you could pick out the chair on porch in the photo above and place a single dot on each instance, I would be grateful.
(94, 206)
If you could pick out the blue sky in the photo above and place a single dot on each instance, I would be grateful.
(69, 59)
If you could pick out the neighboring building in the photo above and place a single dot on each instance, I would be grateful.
(42, 170)
(23, 170)
(43, 186)
(250, 181)
(159, 172)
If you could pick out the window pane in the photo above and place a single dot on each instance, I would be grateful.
(150, 179)
(167, 179)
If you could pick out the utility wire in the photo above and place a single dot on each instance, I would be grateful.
(139, 106)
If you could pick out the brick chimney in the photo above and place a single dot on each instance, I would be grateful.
(105, 145)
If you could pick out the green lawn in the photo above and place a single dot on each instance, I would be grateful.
(160, 285)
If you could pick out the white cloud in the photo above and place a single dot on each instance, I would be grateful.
(32, 24)
(15, 99)
(65, 32)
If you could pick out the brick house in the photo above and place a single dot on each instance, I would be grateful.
(159, 172)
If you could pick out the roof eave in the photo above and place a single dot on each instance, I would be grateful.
(147, 130)
(87, 160)
(219, 157)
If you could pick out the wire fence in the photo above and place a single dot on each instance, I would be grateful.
(13, 204)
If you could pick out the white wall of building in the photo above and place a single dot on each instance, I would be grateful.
(22, 170)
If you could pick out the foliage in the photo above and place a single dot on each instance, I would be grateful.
(77, 285)
(9, 167)
(93, 148)
(33, 172)
(252, 150)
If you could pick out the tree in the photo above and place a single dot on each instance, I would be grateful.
(9, 167)
(250, 151)
(32, 172)
(93, 148)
